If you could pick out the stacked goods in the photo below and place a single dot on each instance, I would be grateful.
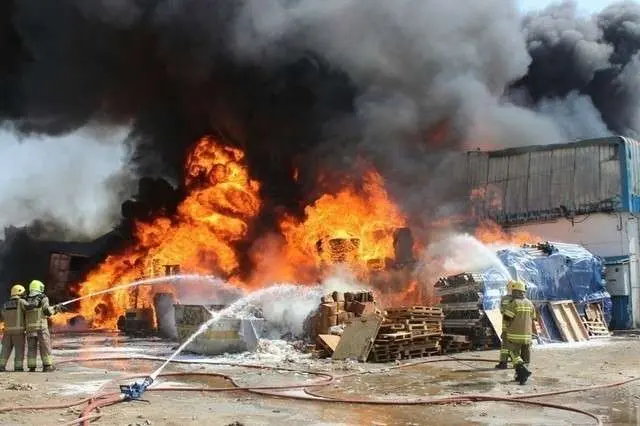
(339, 308)
(407, 333)
(343, 250)
(453, 343)
(461, 300)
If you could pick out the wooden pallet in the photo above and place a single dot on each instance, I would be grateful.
(456, 338)
(568, 321)
(596, 329)
(408, 333)
(594, 321)
(393, 337)
(416, 309)
(391, 327)
(540, 327)
(420, 334)
(456, 348)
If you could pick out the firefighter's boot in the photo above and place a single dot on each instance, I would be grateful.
(522, 374)
(502, 365)
(48, 368)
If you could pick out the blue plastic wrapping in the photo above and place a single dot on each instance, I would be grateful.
(558, 272)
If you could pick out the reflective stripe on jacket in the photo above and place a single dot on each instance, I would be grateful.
(504, 302)
(521, 313)
(13, 315)
(38, 310)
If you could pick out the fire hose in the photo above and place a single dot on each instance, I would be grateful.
(101, 399)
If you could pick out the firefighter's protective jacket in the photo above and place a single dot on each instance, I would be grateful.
(37, 313)
(13, 314)
(520, 313)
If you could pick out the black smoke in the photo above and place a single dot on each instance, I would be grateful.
(316, 86)
(592, 58)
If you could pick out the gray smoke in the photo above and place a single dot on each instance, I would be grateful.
(416, 64)
(315, 86)
(429, 75)
(73, 185)
(584, 72)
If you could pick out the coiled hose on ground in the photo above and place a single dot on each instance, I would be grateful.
(102, 399)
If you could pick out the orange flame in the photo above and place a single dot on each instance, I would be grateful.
(490, 232)
(221, 200)
(354, 226)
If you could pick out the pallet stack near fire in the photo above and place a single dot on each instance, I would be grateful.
(465, 320)
(407, 333)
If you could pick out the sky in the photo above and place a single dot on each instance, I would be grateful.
(588, 6)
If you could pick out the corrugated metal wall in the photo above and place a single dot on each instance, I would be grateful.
(536, 183)
(632, 171)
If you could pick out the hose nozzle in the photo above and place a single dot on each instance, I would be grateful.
(135, 390)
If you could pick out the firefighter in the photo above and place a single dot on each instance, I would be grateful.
(504, 350)
(520, 314)
(37, 327)
(13, 316)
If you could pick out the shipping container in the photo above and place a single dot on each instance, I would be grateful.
(528, 184)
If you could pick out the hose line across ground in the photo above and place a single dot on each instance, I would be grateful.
(102, 399)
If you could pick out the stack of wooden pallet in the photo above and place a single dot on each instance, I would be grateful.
(454, 343)
(407, 333)
(461, 301)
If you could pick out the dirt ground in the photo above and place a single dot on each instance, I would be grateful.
(555, 367)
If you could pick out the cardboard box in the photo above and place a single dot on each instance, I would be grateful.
(362, 308)
(327, 299)
(338, 296)
(328, 309)
(343, 317)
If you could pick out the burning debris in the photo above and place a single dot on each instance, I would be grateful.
(290, 148)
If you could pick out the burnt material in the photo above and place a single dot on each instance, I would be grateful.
(461, 301)
(403, 247)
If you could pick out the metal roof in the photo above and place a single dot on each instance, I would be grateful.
(613, 140)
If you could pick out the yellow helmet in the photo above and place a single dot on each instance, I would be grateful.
(36, 287)
(17, 290)
(518, 285)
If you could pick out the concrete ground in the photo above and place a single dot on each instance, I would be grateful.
(555, 367)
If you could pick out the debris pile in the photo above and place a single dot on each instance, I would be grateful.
(337, 309)
(407, 333)
(370, 335)
(461, 300)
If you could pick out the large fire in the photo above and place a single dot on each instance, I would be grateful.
(221, 200)
(357, 226)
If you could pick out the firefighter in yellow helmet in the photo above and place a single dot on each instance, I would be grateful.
(37, 327)
(504, 350)
(13, 337)
(520, 314)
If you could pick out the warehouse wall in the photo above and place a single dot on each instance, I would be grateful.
(602, 234)
(532, 183)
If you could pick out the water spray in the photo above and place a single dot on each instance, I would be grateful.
(135, 390)
(147, 281)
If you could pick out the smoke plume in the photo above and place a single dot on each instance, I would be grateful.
(584, 70)
(72, 186)
(311, 85)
